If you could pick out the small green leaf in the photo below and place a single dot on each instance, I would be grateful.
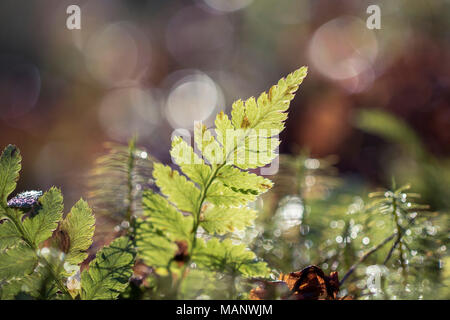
(163, 216)
(9, 290)
(9, 235)
(228, 258)
(17, 262)
(176, 187)
(109, 272)
(153, 246)
(190, 163)
(242, 181)
(207, 144)
(10, 165)
(41, 226)
(78, 226)
(38, 285)
(221, 195)
(221, 220)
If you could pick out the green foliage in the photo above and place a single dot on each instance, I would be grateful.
(39, 250)
(166, 218)
(199, 237)
(154, 247)
(37, 285)
(214, 190)
(109, 272)
(415, 242)
(165, 225)
(17, 262)
(41, 226)
(221, 220)
(412, 163)
(389, 127)
(313, 217)
(78, 226)
(176, 187)
(9, 235)
(228, 258)
(9, 171)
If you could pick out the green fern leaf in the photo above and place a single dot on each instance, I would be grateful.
(221, 195)
(154, 247)
(269, 111)
(9, 235)
(242, 181)
(229, 258)
(207, 144)
(17, 262)
(38, 285)
(164, 227)
(163, 216)
(213, 191)
(247, 139)
(190, 163)
(176, 187)
(9, 290)
(221, 220)
(109, 272)
(41, 226)
(78, 226)
(10, 165)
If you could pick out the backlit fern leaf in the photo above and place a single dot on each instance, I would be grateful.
(213, 191)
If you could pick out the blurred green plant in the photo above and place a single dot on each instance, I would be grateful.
(118, 179)
(429, 175)
(386, 236)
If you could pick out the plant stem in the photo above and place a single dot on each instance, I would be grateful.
(196, 216)
(399, 240)
(131, 164)
(364, 257)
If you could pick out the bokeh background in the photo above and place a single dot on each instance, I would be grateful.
(150, 67)
(153, 66)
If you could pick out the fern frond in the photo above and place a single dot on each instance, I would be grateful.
(10, 165)
(213, 189)
(109, 272)
(40, 227)
(228, 258)
(9, 235)
(77, 229)
(17, 262)
(222, 220)
(176, 187)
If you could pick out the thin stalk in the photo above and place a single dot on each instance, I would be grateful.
(399, 240)
(196, 216)
(365, 256)
(131, 164)
(398, 234)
